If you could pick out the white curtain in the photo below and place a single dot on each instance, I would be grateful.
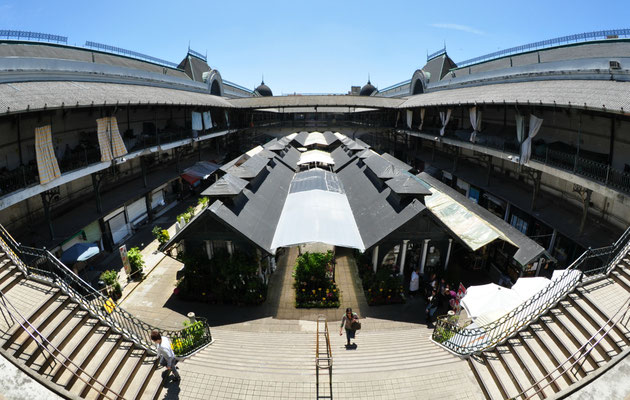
(227, 119)
(409, 118)
(207, 120)
(475, 122)
(421, 119)
(444, 117)
(526, 148)
(196, 121)
(397, 118)
(520, 128)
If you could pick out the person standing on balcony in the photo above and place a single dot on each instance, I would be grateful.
(166, 354)
(350, 321)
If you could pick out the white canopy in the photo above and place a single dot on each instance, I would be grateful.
(527, 287)
(317, 216)
(490, 299)
(316, 156)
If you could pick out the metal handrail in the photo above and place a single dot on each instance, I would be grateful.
(45, 265)
(28, 35)
(543, 44)
(328, 359)
(466, 342)
(585, 350)
(43, 345)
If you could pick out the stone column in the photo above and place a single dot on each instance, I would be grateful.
(423, 261)
(375, 258)
(403, 256)
(448, 253)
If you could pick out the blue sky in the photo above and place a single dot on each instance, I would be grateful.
(313, 47)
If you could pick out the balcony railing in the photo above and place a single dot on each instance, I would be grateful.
(35, 36)
(82, 156)
(543, 44)
(592, 264)
(599, 172)
(41, 263)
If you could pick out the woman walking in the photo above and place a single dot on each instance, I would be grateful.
(350, 321)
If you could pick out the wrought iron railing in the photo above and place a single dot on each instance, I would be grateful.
(592, 264)
(543, 44)
(35, 36)
(53, 352)
(129, 53)
(41, 263)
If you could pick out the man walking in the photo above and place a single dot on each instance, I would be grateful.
(167, 357)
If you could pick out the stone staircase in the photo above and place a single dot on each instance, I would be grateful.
(84, 355)
(291, 355)
(528, 360)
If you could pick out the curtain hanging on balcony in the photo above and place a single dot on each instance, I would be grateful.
(207, 120)
(196, 121)
(475, 122)
(109, 139)
(444, 117)
(526, 148)
(421, 119)
(47, 165)
(520, 128)
(409, 118)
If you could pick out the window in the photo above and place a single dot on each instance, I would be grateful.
(519, 224)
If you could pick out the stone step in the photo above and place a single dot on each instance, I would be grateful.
(533, 367)
(45, 325)
(123, 372)
(17, 334)
(63, 333)
(147, 383)
(70, 345)
(91, 364)
(90, 345)
(577, 306)
(111, 362)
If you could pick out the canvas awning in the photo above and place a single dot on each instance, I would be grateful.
(470, 228)
(201, 170)
(317, 211)
(316, 156)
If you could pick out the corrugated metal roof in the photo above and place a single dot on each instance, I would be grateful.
(610, 96)
(314, 100)
(22, 96)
